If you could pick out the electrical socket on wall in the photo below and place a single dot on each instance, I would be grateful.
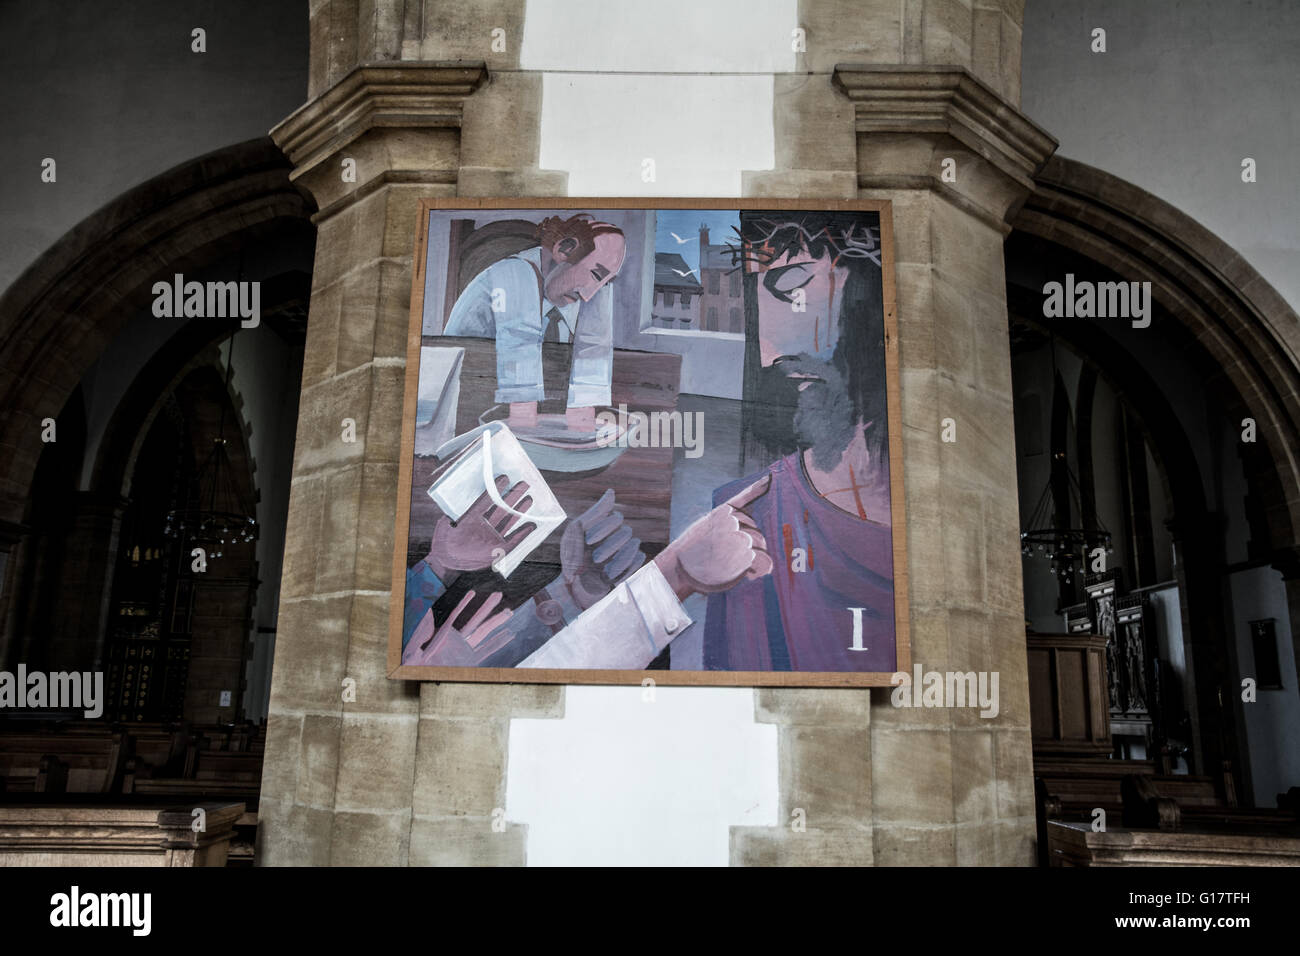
(225, 698)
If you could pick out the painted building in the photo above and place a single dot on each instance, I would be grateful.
(677, 293)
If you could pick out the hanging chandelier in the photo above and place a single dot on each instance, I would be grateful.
(217, 518)
(217, 515)
(1066, 548)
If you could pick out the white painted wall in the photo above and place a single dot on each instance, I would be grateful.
(620, 781)
(637, 776)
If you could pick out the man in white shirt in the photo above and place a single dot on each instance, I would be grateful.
(556, 291)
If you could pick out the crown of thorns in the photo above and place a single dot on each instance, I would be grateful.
(777, 237)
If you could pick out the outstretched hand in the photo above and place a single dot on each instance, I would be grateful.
(720, 550)
(484, 532)
(468, 645)
(598, 551)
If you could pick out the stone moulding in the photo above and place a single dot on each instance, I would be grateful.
(944, 101)
(406, 96)
(117, 835)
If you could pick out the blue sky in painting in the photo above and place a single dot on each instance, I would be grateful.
(686, 223)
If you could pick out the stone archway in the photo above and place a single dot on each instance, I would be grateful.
(58, 316)
(1240, 321)
(1246, 337)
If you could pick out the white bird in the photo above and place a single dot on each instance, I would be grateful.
(679, 239)
(688, 272)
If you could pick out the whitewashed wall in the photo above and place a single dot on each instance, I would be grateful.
(622, 780)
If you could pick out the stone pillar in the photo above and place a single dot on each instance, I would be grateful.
(406, 775)
(89, 563)
(499, 138)
(338, 780)
(950, 786)
(15, 547)
(408, 772)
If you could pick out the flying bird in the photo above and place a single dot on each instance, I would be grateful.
(688, 272)
(679, 239)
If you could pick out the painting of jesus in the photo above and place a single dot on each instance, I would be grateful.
(652, 441)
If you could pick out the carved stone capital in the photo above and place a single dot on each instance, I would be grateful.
(398, 121)
(909, 119)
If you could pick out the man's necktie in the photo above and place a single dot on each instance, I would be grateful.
(554, 319)
(560, 368)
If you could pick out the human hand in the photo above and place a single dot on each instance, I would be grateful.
(718, 551)
(465, 646)
(482, 534)
(598, 551)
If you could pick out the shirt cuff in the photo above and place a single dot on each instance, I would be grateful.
(521, 393)
(581, 396)
(558, 592)
(423, 588)
(664, 615)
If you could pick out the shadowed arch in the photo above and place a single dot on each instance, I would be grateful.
(1234, 315)
(60, 314)
(1243, 338)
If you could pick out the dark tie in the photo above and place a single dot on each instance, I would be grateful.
(554, 319)
(557, 369)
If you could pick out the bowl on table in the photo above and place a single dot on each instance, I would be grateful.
(557, 449)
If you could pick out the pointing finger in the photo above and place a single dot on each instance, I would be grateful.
(751, 494)
(760, 543)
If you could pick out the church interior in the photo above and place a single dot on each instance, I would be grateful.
(1138, 591)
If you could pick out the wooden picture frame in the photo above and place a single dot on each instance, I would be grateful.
(790, 678)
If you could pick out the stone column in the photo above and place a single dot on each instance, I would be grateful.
(16, 545)
(956, 159)
(358, 782)
(338, 779)
(407, 773)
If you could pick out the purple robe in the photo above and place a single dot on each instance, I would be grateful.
(800, 620)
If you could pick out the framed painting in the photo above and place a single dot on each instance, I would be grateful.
(651, 439)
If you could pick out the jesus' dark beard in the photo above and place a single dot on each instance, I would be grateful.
(804, 403)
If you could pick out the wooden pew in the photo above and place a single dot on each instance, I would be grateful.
(1139, 802)
(80, 762)
(1077, 844)
(209, 769)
